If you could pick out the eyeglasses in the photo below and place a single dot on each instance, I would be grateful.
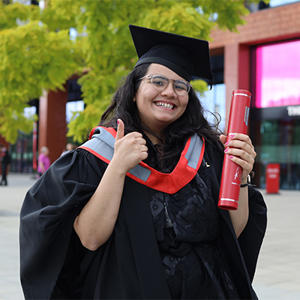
(160, 83)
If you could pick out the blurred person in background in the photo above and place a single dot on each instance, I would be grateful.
(5, 163)
(44, 161)
(69, 147)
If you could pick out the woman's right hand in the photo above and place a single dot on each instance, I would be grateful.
(129, 149)
(96, 221)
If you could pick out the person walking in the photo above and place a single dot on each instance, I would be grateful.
(5, 164)
(132, 213)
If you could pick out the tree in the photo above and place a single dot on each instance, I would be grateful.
(32, 57)
(37, 53)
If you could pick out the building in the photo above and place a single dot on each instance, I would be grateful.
(264, 57)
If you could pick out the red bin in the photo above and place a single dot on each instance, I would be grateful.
(272, 178)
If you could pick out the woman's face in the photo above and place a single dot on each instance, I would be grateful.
(158, 108)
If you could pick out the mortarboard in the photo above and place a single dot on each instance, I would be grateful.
(188, 57)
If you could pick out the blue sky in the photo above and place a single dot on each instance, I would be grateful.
(281, 2)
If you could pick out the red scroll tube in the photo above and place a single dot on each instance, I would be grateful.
(231, 173)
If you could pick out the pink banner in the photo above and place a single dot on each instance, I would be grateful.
(278, 74)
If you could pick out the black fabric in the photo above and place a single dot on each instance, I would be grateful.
(188, 57)
(187, 231)
(54, 264)
(155, 157)
(118, 269)
(237, 252)
(47, 217)
(254, 231)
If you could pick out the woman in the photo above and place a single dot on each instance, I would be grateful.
(44, 160)
(132, 213)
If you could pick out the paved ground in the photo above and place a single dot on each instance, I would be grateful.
(278, 271)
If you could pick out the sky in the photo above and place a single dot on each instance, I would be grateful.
(281, 2)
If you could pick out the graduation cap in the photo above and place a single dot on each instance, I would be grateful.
(188, 57)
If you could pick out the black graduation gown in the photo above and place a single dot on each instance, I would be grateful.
(128, 266)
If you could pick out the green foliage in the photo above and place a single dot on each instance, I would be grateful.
(60, 15)
(13, 14)
(37, 53)
(110, 54)
(32, 60)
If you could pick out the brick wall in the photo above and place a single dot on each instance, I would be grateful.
(269, 25)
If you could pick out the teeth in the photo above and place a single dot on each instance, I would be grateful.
(167, 105)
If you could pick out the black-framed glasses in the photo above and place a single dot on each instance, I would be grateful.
(161, 82)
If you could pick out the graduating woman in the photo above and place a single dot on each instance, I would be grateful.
(132, 213)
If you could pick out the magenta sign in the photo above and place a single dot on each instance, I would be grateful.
(278, 74)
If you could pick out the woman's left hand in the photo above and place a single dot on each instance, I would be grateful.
(241, 151)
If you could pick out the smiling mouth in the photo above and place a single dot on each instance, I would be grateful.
(165, 105)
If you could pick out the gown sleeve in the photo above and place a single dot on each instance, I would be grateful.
(46, 219)
(252, 236)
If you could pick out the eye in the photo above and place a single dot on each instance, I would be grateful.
(159, 81)
(180, 86)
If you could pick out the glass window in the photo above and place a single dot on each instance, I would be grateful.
(278, 74)
(29, 112)
(214, 101)
(280, 143)
(73, 108)
(21, 153)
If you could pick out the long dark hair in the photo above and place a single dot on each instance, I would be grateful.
(175, 135)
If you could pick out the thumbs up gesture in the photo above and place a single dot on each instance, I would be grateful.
(130, 149)
(120, 130)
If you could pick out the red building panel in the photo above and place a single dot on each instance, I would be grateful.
(52, 122)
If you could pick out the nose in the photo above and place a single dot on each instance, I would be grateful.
(169, 90)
